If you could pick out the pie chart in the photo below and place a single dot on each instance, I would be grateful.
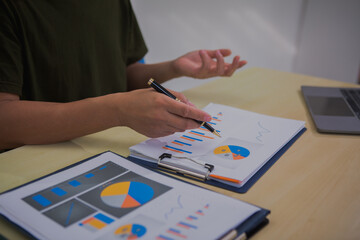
(130, 231)
(127, 194)
(231, 152)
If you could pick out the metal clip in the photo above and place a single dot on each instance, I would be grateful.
(186, 172)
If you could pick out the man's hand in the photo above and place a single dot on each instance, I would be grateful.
(206, 63)
(155, 115)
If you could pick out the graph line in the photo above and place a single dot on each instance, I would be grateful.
(261, 132)
(69, 214)
(180, 206)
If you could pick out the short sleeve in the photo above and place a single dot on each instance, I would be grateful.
(11, 68)
(136, 49)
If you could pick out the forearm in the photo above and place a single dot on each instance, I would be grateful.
(138, 74)
(29, 122)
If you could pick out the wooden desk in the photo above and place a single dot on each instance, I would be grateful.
(313, 190)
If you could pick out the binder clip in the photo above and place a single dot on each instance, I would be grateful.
(185, 172)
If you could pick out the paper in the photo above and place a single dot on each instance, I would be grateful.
(109, 197)
(248, 141)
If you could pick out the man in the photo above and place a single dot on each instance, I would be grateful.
(70, 68)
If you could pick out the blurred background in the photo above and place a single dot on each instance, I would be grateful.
(312, 37)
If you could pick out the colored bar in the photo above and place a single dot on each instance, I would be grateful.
(89, 175)
(180, 144)
(176, 232)
(104, 218)
(58, 191)
(203, 129)
(186, 225)
(192, 131)
(200, 213)
(191, 218)
(103, 167)
(187, 139)
(191, 138)
(211, 123)
(41, 200)
(187, 144)
(178, 149)
(200, 135)
(206, 206)
(96, 223)
(172, 150)
(74, 183)
(162, 237)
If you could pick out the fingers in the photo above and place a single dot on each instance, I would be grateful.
(220, 66)
(206, 61)
(224, 52)
(236, 64)
(211, 68)
(157, 115)
(189, 112)
(182, 98)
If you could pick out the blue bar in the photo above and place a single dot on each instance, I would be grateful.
(89, 175)
(197, 132)
(166, 238)
(174, 230)
(200, 140)
(178, 149)
(188, 144)
(211, 123)
(58, 191)
(104, 218)
(103, 167)
(187, 224)
(215, 117)
(41, 200)
(74, 183)
(207, 129)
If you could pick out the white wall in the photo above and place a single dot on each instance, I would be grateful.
(330, 40)
(267, 33)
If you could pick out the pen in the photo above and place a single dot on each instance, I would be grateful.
(161, 89)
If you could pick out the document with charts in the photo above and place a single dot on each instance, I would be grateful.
(109, 197)
(249, 140)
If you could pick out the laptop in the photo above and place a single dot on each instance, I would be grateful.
(334, 110)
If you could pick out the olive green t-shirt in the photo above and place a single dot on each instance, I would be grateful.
(67, 50)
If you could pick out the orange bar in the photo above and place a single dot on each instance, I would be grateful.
(204, 129)
(201, 135)
(88, 220)
(216, 119)
(178, 143)
(172, 150)
(225, 178)
(188, 139)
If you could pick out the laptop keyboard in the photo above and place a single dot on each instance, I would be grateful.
(352, 96)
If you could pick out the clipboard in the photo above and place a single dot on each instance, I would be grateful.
(202, 178)
(244, 230)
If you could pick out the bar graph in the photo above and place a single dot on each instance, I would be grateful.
(185, 142)
(184, 229)
(96, 222)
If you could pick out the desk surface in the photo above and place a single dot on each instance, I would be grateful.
(313, 190)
